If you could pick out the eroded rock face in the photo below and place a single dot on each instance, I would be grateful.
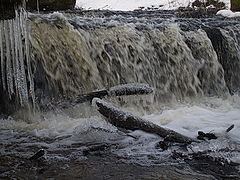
(235, 5)
(51, 5)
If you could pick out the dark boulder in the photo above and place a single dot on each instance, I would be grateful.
(51, 5)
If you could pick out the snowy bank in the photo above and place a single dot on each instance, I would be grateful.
(129, 5)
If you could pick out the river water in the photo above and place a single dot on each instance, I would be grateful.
(77, 136)
(195, 90)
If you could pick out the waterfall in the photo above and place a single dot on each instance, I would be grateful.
(16, 73)
(74, 55)
(79, 54)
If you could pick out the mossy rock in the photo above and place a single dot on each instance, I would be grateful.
(235, 5)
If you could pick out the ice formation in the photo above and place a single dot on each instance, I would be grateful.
(16, 74)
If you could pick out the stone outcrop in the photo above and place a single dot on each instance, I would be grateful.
(235, 5)
(51, 5)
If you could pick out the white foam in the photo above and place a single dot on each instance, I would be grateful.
(188, 120)
(216, 116)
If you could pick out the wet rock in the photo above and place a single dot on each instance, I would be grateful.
(203, 136)
(164, 145)
(51, 5)
(220, 168)
(37, 155)
(227, 52)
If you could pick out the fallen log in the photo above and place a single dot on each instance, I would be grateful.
(120, 90)
(129, 121)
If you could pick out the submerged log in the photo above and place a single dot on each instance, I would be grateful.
(126, 120)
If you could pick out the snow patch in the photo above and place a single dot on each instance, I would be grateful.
(228, 13)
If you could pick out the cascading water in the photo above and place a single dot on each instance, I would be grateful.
(109, 51)
(16, 73)
(183, 60)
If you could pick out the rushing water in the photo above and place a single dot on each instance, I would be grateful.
(69, 136)
(194, 77)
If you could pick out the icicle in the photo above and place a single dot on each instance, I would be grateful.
(2, 55)
(9, 72)
(27, 53)
(11, 31)
(16, 64)
(22, 81)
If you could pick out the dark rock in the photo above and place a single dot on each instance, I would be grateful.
(227, 52)
(220, 168)
(200, 12)
(201, 9)
(36, 156)
(215, 3)
(164, 145)
(8, 8)
(51, 5)
(203, 136)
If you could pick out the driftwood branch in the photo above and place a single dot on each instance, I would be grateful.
(126, 120)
